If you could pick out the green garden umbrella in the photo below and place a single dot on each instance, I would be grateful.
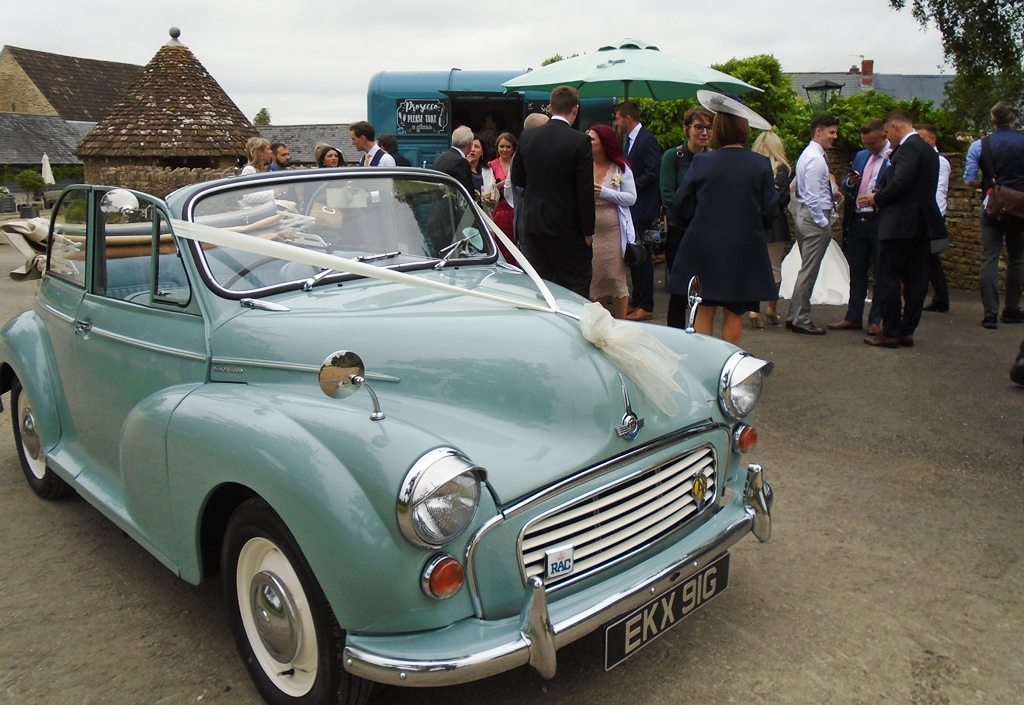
(633, 68)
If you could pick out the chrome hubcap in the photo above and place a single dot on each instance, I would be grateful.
(31, 446)
(273, 613)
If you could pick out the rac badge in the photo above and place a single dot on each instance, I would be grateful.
(558, 561)
(700, 486)
(631, 423)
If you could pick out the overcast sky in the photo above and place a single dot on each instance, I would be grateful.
(309, 61)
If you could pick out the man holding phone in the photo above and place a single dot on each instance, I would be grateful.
(862, 234)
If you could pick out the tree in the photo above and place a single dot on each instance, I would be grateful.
(984, 40)
(262, 118)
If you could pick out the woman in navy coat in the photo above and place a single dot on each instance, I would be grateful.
(726, 202)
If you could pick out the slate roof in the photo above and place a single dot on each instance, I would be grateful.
(851, 82)
(78, 89)
(24, 138)
(897, 85)
(301, 139)
(907, 87)
(174, 108)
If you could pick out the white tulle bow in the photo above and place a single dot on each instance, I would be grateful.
(645, 359)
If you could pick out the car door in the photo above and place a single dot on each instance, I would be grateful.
(139, 347)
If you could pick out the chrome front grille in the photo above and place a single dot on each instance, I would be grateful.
(622, 518)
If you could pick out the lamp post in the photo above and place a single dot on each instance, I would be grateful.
(820, 94)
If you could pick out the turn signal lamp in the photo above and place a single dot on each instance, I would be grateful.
(442, 577)
(746, 438)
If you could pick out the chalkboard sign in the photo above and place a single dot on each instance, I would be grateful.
(422, 117)
(537, 106)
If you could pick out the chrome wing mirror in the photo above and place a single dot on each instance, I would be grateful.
(342, 374)
(693, 299)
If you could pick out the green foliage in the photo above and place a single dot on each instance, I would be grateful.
(69, 172)
(29, 179)
(262, 118)
(984, 40)
(556, 58)
(853, 111)
(777, 102)
(74, 210)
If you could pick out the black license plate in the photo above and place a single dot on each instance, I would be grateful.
(631, 632)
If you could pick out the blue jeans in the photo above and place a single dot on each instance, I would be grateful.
(862, 254)
(992, 233)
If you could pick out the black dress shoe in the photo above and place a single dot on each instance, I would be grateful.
(990, 323)
(1012, 316)
(1017, 371)
(906, 341)
(882, 341)
(809, 329)
(941, 308)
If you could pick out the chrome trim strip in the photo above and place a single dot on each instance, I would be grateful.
(474, 540)
(532, 645)
(292, 367)
(135, 342)
(58, 313)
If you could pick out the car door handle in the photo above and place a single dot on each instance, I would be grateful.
(83, 326)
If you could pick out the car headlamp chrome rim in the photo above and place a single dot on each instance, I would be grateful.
(439, 497)
(740, 386)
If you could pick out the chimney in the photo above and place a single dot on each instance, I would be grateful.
(867, 73)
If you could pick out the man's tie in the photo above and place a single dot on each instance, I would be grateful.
(867, 179)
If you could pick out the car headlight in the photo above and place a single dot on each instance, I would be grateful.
(439, 497)
(740, 386)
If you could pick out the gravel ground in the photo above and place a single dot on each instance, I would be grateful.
(893, 575)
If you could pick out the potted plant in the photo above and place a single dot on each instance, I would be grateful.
(30, 180)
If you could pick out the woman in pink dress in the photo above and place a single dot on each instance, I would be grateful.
(507, 144)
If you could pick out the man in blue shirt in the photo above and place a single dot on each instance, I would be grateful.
(1002, 162)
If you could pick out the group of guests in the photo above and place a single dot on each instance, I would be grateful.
(574, 201)
(263, 155)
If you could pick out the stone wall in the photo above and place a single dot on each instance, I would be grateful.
(158, 181)
(18, 94)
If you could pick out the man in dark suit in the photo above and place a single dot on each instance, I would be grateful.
(908, 221)
(516, 195)
(453, 161)
(644, 156)
(555, 166)
(861, 226)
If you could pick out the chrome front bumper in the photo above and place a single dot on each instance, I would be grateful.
(495, 647)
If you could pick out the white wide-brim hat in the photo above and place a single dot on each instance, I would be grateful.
(720, 103)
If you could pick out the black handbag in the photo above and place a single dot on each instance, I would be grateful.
(634, 254)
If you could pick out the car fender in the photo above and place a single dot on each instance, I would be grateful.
(332, 475)
(25, 353)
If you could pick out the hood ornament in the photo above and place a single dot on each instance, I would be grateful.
(631, 423)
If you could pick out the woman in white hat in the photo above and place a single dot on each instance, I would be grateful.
(726, 202)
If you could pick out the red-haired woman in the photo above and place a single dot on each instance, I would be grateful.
(614, 193)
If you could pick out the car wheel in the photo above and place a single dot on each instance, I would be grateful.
(284, 627)
(43, 481)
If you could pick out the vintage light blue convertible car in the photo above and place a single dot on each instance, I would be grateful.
(409, 461)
